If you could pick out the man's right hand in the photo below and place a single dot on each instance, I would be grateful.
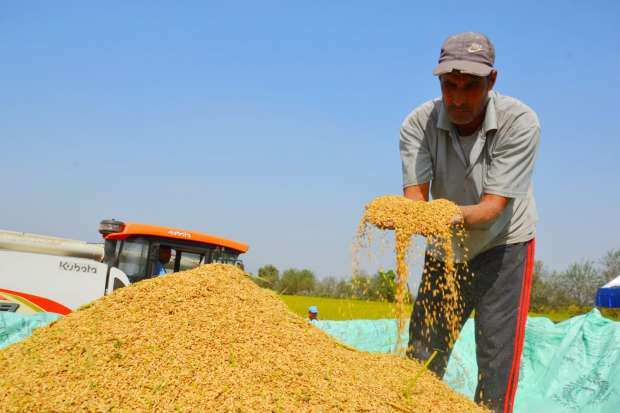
(386, 226)
(417, 192)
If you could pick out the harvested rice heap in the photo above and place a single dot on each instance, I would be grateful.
(433, 221)
(208, 339)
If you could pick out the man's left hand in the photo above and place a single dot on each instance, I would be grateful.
(489, 208)
(457, 218)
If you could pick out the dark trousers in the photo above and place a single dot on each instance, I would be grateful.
(497, 286)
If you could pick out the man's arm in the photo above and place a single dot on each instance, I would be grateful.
(417, 192)
(489, 208)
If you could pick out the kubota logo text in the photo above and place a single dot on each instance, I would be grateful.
(180, 234)
(76, 267)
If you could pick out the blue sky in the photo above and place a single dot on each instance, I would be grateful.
(273, 123)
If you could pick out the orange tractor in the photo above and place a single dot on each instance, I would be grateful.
(40, 273)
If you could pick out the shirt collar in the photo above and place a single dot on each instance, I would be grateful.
(490, 117)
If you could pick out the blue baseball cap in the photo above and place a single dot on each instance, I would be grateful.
(313, 309)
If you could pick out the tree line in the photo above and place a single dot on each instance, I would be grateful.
(574, 288)
(378, 287)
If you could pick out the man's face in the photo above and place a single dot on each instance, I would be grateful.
(164, 254)
(465, 96)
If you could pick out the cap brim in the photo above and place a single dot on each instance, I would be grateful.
(463, 66)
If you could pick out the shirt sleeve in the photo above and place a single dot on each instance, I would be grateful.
(512, 158)
(415, 153)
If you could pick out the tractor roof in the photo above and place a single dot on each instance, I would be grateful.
(132, 229)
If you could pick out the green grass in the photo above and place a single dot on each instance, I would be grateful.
(344, 309)
(341, 309)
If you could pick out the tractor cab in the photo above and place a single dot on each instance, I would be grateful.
(145, 251)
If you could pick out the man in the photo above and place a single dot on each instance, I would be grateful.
(476, 148)
(313, 313)
(165, 253)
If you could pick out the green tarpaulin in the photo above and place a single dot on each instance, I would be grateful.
(15, 327)
(572, 366)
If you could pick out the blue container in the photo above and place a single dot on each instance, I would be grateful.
(608, 297)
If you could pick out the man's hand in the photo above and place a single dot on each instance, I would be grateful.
(417, 192)
(489, 208)
(413, 192)
(457, 218)
(386, 225)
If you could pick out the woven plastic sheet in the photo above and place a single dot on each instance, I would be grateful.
(16, 327)
(572, 366)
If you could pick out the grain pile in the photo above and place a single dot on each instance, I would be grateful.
(208, 340)
(433, 221)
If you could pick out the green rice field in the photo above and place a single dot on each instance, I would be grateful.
(341, 309)
(346, 309)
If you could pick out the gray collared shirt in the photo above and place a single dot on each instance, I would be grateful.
(501, 162)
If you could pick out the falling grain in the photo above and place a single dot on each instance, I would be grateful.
(431, 220)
